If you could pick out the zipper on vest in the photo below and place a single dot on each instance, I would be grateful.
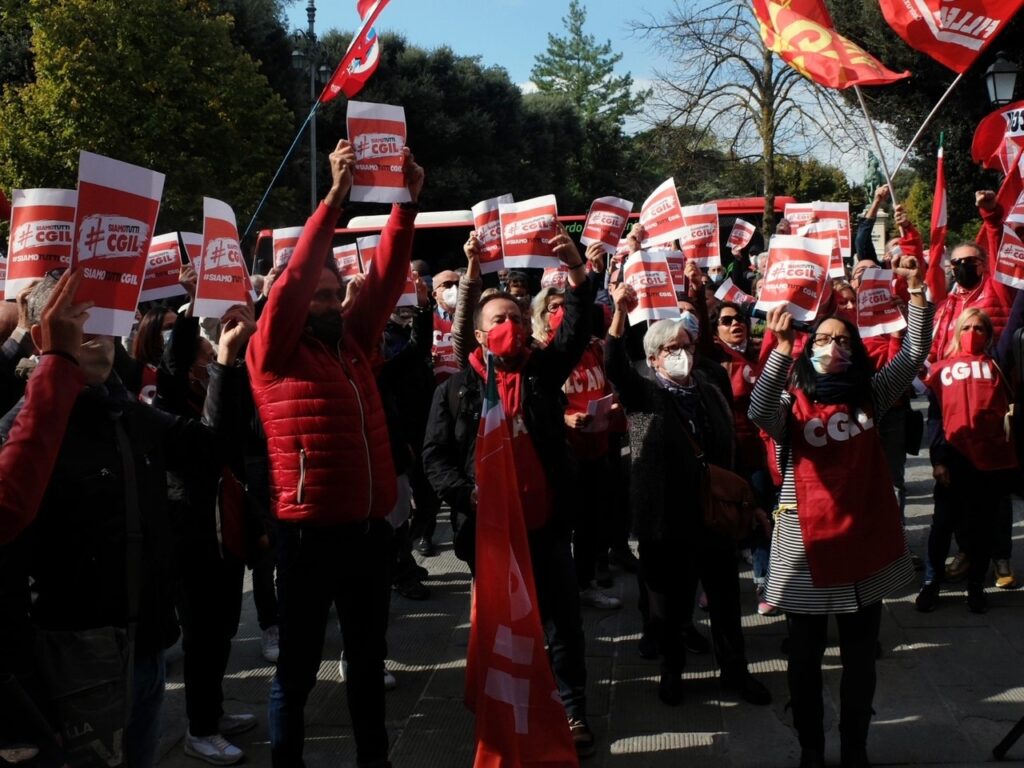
(362, 424)
(302, 476)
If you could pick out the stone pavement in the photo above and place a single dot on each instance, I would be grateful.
(951, 683)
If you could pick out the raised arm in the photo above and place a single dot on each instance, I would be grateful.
(630, 385)
(470, 285)
(767, 408)
(572, 337)
(992, 216)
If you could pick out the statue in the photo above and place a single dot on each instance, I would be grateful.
(873, 178)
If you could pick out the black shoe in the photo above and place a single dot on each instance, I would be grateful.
(424, 546)
(582, 737)
(648, 647)
(976, 600)
(412, 589)
(812, 758)
(670, 688)
(694, 641)
(854, 758)
(625, 559)
(928, 598)
(749, 687)
(784, 646)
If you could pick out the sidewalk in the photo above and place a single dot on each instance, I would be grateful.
(950, 684)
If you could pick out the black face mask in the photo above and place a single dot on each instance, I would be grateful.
(966, 274)
(326, 327)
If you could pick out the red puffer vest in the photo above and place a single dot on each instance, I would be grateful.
(985, 296)
(327, 440)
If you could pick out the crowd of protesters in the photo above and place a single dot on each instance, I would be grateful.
(314, 436)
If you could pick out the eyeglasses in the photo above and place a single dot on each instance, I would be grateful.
(822, 339)
(552, 307)
(672, 349)
(729, 320)
(448, 283)
(965, 261)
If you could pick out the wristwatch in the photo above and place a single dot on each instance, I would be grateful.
(915, 291)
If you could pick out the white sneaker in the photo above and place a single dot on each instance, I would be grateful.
(215, 750)
(270, 644)
(229, 725)
(389, 680)
(595, 598)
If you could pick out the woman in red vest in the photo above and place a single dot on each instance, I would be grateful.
(838, 546)
(972, 454)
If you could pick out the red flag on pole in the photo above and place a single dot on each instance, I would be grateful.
(935, 276)
(520, 720)
(999, 138)
(362, 56)
(801, 33)
(953, 35)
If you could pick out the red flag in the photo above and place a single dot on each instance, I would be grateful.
(999, 139)
(801, 33)
(362, 56)
(953, 35)
(935, 277)
(520, 720)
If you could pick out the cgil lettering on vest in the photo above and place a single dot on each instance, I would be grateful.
(960, 371)
(839, 428)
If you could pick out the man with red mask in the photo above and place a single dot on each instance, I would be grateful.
(530, 386)
(332, 481)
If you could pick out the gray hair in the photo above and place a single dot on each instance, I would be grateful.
(662, 333)
(539, 307)
(39, 297)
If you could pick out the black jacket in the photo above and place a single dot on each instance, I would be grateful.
(450, 443)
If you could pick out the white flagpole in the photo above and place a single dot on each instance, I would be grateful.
(878, 145)
(926, 123)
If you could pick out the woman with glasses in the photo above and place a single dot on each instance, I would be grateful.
(838, 546)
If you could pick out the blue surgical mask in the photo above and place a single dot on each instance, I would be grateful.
(691, 324)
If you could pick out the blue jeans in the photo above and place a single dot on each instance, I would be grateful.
(148, 677)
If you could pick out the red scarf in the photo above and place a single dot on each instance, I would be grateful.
(510, 382)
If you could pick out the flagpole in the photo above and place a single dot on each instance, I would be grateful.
(277, 174)
(878, 145)
(927, 122)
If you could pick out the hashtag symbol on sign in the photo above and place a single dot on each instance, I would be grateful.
(362, 146)
(93, 238)
(26, 235)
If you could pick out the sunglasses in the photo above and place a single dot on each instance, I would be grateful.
(728, 320)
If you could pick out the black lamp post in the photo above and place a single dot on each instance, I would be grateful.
(309, 55)
(1000, 79)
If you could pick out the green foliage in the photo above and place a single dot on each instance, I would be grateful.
(577, 66)
(111, 78)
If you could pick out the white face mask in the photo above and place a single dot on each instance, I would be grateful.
(96, 358)
(450, 296)
(166, 335)
(678, 365)
(830, 359)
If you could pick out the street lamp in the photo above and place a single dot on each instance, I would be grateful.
(309, 55)
(1000, 79)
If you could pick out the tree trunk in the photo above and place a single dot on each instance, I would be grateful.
(767, 131)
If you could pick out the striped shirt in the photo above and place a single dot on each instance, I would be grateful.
(789, 578)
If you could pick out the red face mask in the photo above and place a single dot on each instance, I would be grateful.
(973, 343)
(555, 319)
(505, 340)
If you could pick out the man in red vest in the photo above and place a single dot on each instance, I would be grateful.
(332, 481)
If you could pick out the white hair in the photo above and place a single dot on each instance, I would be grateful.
(662, 333)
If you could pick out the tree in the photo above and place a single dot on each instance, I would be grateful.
(110, 79)
(584, 71)
(723, 83)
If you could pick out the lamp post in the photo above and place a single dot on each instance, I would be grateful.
(309, 54)
(1000, 79)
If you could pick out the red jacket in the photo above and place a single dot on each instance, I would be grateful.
(327, 440)
(987, 296)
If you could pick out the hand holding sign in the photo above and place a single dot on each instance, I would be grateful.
(565, 249)
(985, 199)
(414, 175)
(62, 322)
(343, 160)
(237, 326)
(624, 297)
(910, 270)
(780, 323)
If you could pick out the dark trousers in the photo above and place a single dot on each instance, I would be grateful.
(590, 518)
(1002, 532)
(347, 566)
(424, 516)
(714, 565)
(858, 633)
(554, 577)
(666, 598)
(264, 583)
(210, 607)
(618, 492)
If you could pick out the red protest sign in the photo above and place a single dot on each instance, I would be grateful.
(163, 264)
(377, 133)
(837, 214)
(662, 216)
(117, 208)
(728, 291)
(877, 311)
(346, 257)
(284, 242)
(367, 250)
(193, 248)
(741, 234)
(676, 270)
(42, 223)
(1016, 214)
(223, 277)
(795, 276)
(606, 221)
(487, 222)
(1010, 260)
(526, 228)
(826, 232)
(798, 214)
(700, 235)
(647, 272)
(555, 277)
(998, 142)
(408, 297)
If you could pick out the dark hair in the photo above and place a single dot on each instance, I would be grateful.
(805, 378)
(148, 344)
(716, 313)
(487, 300)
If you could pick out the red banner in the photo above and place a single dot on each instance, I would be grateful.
(662, 216)
(798, 214)
(377, 133)
(223, 277)
(676, 270)
(606, 221)
(42, 223)
(877, 310)
(284, 242)
(1010, 260)
(826, 232)
(837, 214)
(163, 265)
(647, 272)
(346, 257)
(795, 276)
(999, 139)
(727, 291)
(935, 277)
(526, 228)
(487, 223)
(361, 57)
(801, 33)
(741, 234)
(117, 208)
(700, 235)
(953, 35)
